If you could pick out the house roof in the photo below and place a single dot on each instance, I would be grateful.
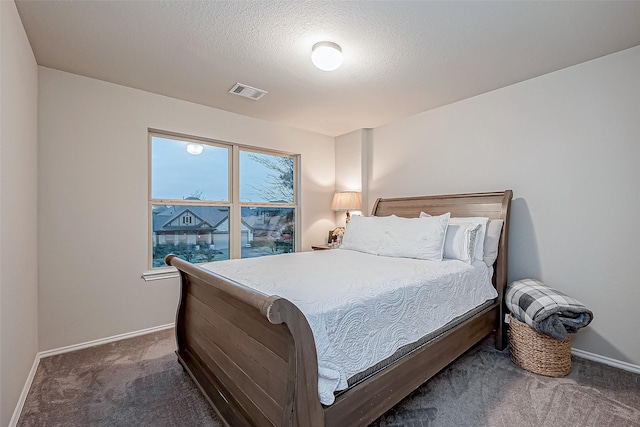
(163, 215)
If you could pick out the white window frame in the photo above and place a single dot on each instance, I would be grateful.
(234, 204)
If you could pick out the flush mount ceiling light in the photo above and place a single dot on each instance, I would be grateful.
(195, 149)
(326, 55)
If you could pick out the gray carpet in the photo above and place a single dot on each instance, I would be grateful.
(138, 382)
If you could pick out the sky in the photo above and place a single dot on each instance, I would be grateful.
(174, 172)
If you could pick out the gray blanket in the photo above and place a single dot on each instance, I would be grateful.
(546, 310)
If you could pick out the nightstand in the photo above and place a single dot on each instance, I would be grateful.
(321, 247)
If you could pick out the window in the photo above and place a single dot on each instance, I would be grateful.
(212, 200)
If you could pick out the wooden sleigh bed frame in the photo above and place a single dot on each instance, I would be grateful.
(254, 358)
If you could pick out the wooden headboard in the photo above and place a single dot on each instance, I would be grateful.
(492, 205)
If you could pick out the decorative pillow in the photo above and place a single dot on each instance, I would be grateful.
(491, 239)
(479, 244)
(421, 238)
(459, 242)
(478, 253)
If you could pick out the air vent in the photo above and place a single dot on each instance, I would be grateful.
(247, 91)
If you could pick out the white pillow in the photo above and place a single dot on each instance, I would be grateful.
(364, 234)
(459, 242)
(479, 245)
(478, 253)
(421, 238)
(491, 239)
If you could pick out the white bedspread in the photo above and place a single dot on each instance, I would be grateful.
(361, 307)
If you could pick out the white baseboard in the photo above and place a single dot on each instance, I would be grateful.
(606, 360)
(67, 349)
(25, 390)
(101, 341)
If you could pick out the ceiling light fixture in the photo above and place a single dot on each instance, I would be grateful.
(326, 55)
(195, 149)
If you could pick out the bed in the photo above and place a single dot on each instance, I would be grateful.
(254, 357)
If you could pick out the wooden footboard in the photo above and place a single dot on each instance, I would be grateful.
(252, 355)
(254, 358)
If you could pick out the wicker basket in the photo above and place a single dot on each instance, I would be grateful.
(538, 353)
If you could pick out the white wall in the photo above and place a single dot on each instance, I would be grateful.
(349, 161)
(93, 214)
(568, 145)
(18, 209)
(349, 167)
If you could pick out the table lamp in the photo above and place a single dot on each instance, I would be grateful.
(347, 200)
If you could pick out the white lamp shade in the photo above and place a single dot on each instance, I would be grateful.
(326, 55)
(347, 200)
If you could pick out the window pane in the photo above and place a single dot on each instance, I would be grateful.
(266, 178)
(194, 233)
(178, 174)
(267, 231)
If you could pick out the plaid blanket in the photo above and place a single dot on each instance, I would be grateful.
(546, 310)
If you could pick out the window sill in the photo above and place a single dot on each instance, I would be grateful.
(160, 274)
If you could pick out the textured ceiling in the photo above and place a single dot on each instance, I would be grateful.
(400, 57)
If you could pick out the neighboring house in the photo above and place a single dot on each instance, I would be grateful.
(191, 225)
(205, 225)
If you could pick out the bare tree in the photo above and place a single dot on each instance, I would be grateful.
(196, 195)
(278, 186)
